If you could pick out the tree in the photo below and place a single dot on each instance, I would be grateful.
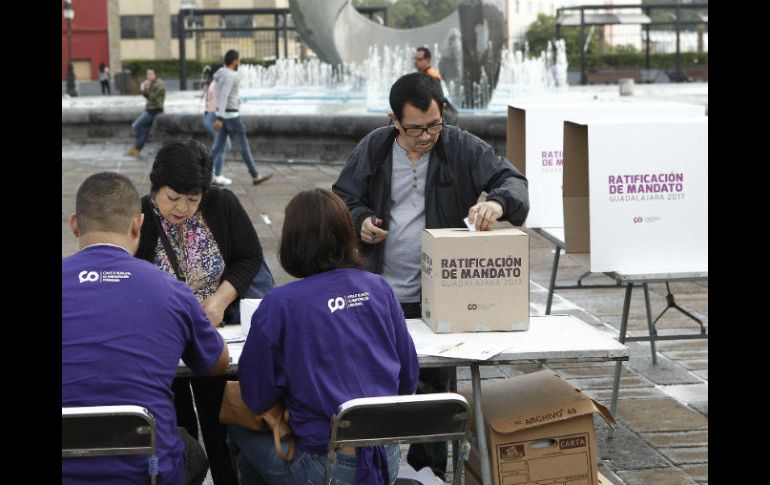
(408, 14)
(543, 30)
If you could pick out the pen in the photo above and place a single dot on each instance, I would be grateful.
(450, 347)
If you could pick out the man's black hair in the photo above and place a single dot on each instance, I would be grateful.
(417, 89)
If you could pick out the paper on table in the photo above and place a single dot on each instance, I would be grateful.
(231, 333)
(461, 350)
(425, 476)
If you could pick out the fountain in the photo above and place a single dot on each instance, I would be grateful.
(366, 85)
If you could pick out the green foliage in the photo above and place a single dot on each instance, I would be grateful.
(408, 14)
(669, 14)
(543, 30)
(169, 68)
(637, 59)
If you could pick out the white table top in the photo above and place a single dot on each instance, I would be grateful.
(550, 338)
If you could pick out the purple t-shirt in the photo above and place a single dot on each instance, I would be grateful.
(321, 341)
(125, 325)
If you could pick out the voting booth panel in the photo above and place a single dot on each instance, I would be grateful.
(636, 194)
(535, 144)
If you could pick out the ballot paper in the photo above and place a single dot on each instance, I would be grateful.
(469, 346)
(425, 476)
(231, 333)
(471, 225)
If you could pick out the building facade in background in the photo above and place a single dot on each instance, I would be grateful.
(112, 30)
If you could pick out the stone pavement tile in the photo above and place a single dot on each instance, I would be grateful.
(687, 393)
(665, 371)
(536, 240)
(605, 302)
(684, 438)
(656, 476)
(697, 303)
(702, 373)
(542, 258)
(605, 395)
(680, 456)
(646, 415)
(699, 473)
(668, 345)
(625, 451)
(687, 354)
(608, 474)
(701, 406)
(695, 364)
(595, 383)
(669, 321)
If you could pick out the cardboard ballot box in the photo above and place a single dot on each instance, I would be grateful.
(636, 193)
(540, 429)
(534, 144)
(475, 281)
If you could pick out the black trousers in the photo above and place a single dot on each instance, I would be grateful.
(195, 463)
(438, 379)
(207, 392)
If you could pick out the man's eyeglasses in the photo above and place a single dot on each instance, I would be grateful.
(418, 58)
(434, 129)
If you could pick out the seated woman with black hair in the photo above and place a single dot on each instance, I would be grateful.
(202, 235)
(336, 334)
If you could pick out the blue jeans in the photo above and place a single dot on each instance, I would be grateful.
(142, 127)
(209, 117)
(257, 462)
(233, 127)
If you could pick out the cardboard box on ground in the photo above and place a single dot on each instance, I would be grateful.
(540, 429)
(475, 281)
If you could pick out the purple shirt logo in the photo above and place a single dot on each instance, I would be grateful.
(85, 276)
(336, 304)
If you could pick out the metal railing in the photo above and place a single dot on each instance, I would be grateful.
(655, 18)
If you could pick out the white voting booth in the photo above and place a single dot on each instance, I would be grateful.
(535, 137)
(636, 193)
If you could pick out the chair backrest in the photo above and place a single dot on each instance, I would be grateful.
(109, 430)
(376, 421)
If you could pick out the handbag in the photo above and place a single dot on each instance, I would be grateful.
(258, 288)
(235, 412)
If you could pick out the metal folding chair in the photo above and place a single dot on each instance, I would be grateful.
(423, 418)
(109, 431)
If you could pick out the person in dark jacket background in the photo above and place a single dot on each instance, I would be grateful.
(211, 245)
(418, 174)
(154, 89)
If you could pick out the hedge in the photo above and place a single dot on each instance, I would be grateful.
(657, 60)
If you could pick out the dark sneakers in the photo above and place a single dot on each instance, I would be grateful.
(261, 178)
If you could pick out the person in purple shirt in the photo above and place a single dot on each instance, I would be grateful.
(336, 334)
(125, 325)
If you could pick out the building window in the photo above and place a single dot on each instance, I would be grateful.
(136, 27)
(194, 21)
(234, 22)
(517, 6)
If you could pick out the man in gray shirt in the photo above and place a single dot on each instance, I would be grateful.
(420, 173)
(229, 121)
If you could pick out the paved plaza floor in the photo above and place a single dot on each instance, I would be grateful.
(662, 414)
